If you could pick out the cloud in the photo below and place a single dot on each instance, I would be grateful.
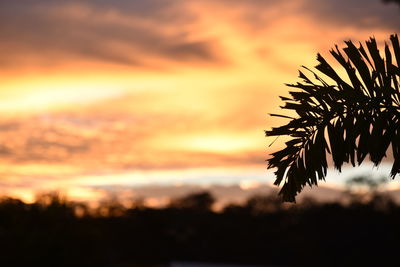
(356, 13)
(137, 33)
(153, 33)
(366, 14)
(111, 140)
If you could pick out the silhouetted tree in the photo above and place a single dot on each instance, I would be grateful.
(366, 189)
(261, 204)
(349, 118)
(202, 201)
(392, 1)
(261, 232)
(372, 184)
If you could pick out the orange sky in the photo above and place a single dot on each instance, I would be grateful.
(131, 92)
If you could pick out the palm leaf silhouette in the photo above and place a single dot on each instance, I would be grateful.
(346, 119)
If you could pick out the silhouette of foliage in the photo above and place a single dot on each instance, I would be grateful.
(201, 201)
(261, 204)
(392, 1)
(349, 119)
(260, 232)
(371, 183)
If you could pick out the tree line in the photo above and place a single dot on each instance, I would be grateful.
(262, 231)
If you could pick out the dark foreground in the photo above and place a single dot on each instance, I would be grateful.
(262, 232)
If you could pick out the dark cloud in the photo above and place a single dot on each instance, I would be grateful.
(56, 30)
(359, 13)
(355, 13)
(157, 10)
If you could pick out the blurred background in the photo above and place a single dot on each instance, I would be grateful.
(144, 103)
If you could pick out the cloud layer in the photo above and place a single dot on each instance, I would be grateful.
(121, 32)
(154, 33)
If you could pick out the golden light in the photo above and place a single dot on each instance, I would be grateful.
(213, 143)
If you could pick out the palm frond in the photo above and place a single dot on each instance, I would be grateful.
(348, 119)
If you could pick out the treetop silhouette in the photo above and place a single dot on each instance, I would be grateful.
(392, 1)
(348, 118)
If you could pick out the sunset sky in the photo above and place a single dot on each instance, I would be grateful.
(98, 93)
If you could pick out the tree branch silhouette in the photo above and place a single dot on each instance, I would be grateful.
(391, 1)
(349, 119)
